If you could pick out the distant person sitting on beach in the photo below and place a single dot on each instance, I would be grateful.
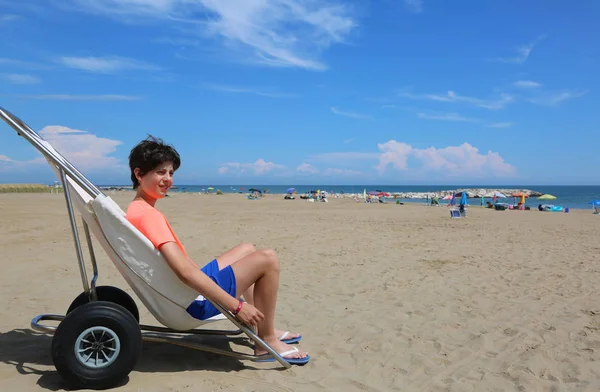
(242, 270)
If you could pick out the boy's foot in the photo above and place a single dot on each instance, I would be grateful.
(287, 336)
(277, 345)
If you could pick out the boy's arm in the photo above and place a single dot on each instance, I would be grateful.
(189, 273)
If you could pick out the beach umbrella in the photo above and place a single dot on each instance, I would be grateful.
(499, 194)
(522, 201)
(210, 188)
(547, 196)
(453, 200)
(595, 203)
(291, 190)
(447, 197)
(463, 199)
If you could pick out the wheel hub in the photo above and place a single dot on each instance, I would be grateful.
(97, 347)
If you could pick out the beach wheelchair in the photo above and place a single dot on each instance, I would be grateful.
(98, 341)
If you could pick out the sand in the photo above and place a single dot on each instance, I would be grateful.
(388, 297)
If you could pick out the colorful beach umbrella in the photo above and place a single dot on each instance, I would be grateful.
(463, 198)
(547, 196)
(453, 200)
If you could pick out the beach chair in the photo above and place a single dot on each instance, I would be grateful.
(454, 213)
(97, 343)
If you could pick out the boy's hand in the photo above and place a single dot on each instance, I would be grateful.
(249, 315)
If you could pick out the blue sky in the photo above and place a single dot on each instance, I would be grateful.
(307, 91)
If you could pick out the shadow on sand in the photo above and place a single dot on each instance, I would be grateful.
(29, 352)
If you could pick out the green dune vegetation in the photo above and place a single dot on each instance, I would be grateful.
(28, 188)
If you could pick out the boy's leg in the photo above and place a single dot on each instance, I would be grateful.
(232, 256)
(261, 269)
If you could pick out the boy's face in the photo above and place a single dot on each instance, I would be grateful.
(157, 182)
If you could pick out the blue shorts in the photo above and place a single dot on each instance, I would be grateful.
(202, 309)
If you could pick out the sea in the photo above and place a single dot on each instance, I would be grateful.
(577, 197)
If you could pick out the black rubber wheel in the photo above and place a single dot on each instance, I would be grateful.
(96, 346)
(109, 294)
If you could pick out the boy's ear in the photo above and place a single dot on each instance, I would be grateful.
(136, 173)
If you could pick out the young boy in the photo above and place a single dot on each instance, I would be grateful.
(241, 270)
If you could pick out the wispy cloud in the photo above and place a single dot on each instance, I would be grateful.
(446, 117)
(337, 172)
(8, 18)
(500, 125)
(527, 84)
(276, 33)
(344, 113)
(307, 168)
(348, 140)
(20, 64)
(20, 78)
(452, 97)
(247, 90)
(76, 97)
(259, 167)
(107, 65)
(415, 6)
(522, 54)
(554, 98)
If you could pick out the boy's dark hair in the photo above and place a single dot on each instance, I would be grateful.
(150, 153)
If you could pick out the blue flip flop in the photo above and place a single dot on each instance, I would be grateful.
(290, 340)
(293, 361)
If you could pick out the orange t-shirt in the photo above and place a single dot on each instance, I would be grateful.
(152, 223)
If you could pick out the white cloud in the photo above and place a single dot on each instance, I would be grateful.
(446, 117)
(259, 167)
(452, 160)
(523, 52)
(106, 65)
(20, 78)
(527, 84)
(395, 154)
(246, 90)
(307, 168)
(415, 6)
(86, 151)
(552, 99)
(500, 125)
(452, 97)
(277, 33)
(76, 97)
(348, 114)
